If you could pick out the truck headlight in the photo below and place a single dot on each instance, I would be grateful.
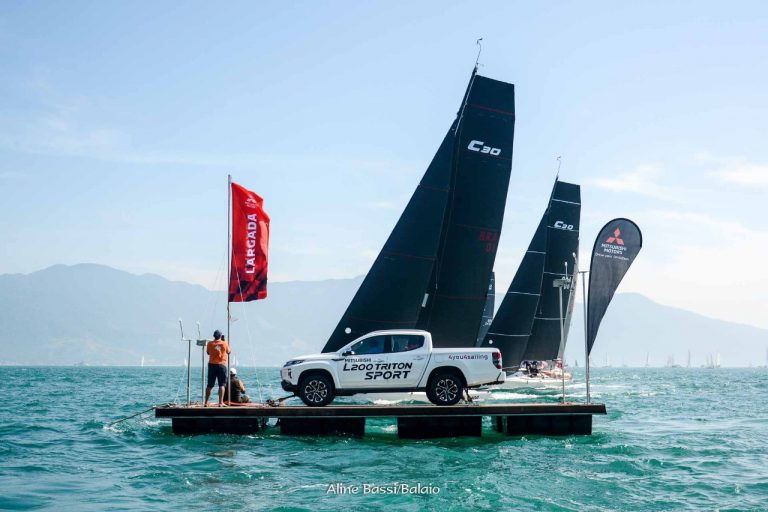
(293, 362)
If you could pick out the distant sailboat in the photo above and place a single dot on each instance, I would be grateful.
(647, 358)
(688, 364)
(142, 361)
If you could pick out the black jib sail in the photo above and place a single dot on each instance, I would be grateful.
(616, 247)
(562, 249)
(391, 295)
(457, 292)
(490, 304)
(511, 327)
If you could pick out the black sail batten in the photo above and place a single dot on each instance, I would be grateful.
(482, 164)
(563, 219)
(392, 292)
(511, 327)
(490, 303)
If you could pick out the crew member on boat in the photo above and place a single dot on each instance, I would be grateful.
(238, 389)
(218, 353)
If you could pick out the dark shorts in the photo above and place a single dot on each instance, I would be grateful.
(217, 372)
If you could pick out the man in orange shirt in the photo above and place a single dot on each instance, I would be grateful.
(218, 351)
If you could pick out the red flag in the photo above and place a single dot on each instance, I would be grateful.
(250, 246)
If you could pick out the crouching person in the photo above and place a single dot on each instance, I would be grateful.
(237, 387)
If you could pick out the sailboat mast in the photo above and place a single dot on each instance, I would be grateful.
(229, 271)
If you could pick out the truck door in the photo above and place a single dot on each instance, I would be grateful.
(357, 369)
(406, 361)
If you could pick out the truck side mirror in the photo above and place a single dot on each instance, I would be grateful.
(347, 353)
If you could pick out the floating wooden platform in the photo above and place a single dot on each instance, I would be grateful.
(413, 421)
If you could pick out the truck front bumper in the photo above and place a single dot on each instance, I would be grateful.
(285, 379)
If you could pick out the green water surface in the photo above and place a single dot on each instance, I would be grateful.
(674, 439)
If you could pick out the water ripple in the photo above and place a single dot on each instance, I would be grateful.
(686, 439)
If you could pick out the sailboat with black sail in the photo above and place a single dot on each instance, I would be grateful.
(527, 326)
(434, 269)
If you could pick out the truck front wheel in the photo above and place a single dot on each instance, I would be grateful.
(445, 388)
(316, 390)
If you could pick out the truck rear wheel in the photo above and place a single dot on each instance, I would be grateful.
(445, 388)
(316, 390)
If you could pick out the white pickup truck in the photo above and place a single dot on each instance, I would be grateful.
(392, 361)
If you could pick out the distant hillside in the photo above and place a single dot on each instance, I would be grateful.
(95, 314)
(635, 326)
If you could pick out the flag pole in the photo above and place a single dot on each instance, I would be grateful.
(229, 274)
(586, 341)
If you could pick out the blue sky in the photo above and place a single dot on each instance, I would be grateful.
(120, 121)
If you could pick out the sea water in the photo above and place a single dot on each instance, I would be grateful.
(673, 439)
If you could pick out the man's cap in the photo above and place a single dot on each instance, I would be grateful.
(233, 371)
(217, 333)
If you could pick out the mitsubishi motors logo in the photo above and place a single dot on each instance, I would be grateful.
(616, 238)
(613, 247)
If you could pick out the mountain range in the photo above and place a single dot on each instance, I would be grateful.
(98, 315)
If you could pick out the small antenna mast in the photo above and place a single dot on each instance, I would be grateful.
(479, 51)
(559, 161)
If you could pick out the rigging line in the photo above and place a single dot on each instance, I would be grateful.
(181, 381)
(131, 416)
(217, 280)
(479, 51)
(442, 245)
(248, 331)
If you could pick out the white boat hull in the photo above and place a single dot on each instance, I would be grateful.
(521, 381)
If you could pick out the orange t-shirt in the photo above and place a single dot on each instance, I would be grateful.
(217, 352)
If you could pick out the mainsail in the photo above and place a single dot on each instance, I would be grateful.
(490, 303)
(562, 248)
(434, 269)
(511, 327)
(469, 238)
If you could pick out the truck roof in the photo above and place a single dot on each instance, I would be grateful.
(398, 331)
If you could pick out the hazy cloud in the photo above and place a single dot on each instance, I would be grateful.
(735, 170)
(644, 180)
